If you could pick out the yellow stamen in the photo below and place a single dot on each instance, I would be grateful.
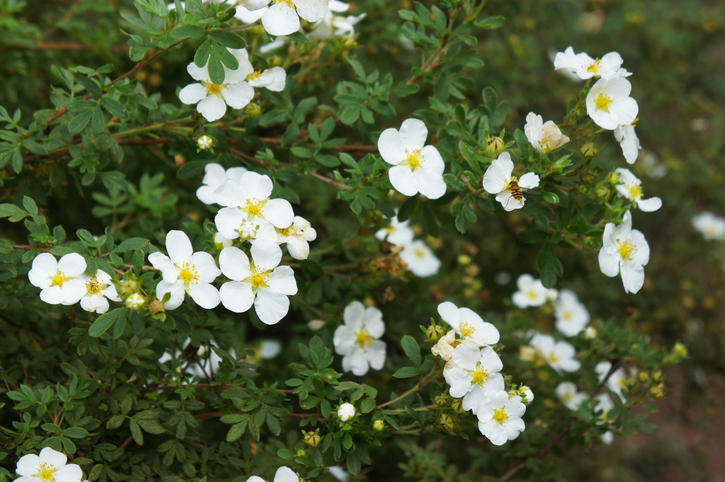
(627, 250)
(500, 416)
(414, 159)
(58, 279)
(419, 253)
(188, 274)
(212, 88)
(594, 67)
(466, 329)
(286, 232)
(635, 191)
(363, 339)
(93, 286)
(567, 397)
(253, 75)
(603, 102)
(480, 374)
(254, 207)
(46, 472)
(553, 357)
(532, 294)
(567, 315)
(258, 279)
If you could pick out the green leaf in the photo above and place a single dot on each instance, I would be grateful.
(407, 209)
(455, 183)
(30, 205)
(13, 212)
(75, 432)
(550, 197)
(215, 67)
(407, 372)
(411, 349)
(79, 122)
(522, 142)
(136, 432)
(188, 31)
(298, 37)
(131, 244)
(228, 38)
(549, 266)
(491, 22)
(202, 54)
(114, 108)
(105, 321)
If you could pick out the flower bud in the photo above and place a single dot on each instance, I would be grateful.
(526, 394)
(346, 412)
(464, 259)
(589, 150)
(379, 425)
(434, 332)
(680, 350)
(657, 376)
(156, 307)
(301, 453)
(494, 145)
(643, 377)
(602, 192)
(128, 287)
(220, 242)
(275, 61)
(257, 30)
(441, 399)
(457, 405)
(134, 302)
(590, 333)
(349, 43)
(204, 143)
(446, 421)
(658, 391)
(312, 438)
(253, 109)
(315, 325)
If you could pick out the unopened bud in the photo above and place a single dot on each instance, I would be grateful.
(253, 110)
(613, 178)
(434, 332)
(312, 438)
(643, 377)
(156, 307)
(680, 350)
(346, 412)
(379, 425)
(526, 394)
(527, 353)
(134, 302)
(220, 242)
(589, 150)
(205, 143)
(446, 421)
(494, 145)
(657, 376)
(602, 192)
(457, 405)
(441, 399)
(275, 61)
(590, 333)
(349, 43)
(129, 287)
(658, 391)
(464, 260)
(301, 453)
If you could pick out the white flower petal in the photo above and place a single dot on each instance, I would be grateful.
(237, 95)
(413, 134)
(72, 265)
(236, 296)
(178, 247)
(212, 108)
(312, 10)
(391, 147)
(271, 306)
(403, 180)
(280, 19)
(192, 94)
(234, 263)
(282, 280)
(204, 294)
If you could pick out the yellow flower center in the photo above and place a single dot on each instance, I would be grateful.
(94, 287)
(622, 382)
(289, 3)
(711, 231)
(212, 88)
(254, 207)
(500, 416)
(419, 253)
(567, 315)
(258, 279)
(480, 374)
(286, 232)
(603, 102)
(46, 472)
(594, 67)
(532, 294)
(567, 397)
(466, 329)
(363, 339)
(553, 357)
(414, 159)
(58, 279)
(627, 250)
(635, 191)
(254, 75)
(188, 274)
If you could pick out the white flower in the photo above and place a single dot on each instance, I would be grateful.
(544, 137)
(135, 302)
(184, 271)
(249, 16)
(261, 282)
(212, 99)
(283, 17)
(586, 67)
(468, 324)
(357, 340)
(471, 372)
(609, 104)
(346, 412)
(249, 208)
(624, 250)
(617, 381)
(527, 396)
(417, 168)
(297, 236)
(531, 292)
(283, 474)
(339, 473)
(571, 315)
(335, 24)
(499, 417)
(61, 281)
(269, 349)
(205, 142)
(273, 79)
(499, 180)
(628, 141)
(48, 466)
(558, 354)
(98, 288)
(397, 233)
(710, 226)
(444, 348)
(420, 259)
(631, 188)
(214, 176)
(570, 395)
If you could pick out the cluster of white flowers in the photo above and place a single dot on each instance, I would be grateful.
(560, 355)
(283, 17)
(48, 466)
(357, 340)
(334, 24)
(473, 372)
(65, 282)
(418, 256)
(608, 102)
(710, 226)
(417, 168)
(237, 90)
